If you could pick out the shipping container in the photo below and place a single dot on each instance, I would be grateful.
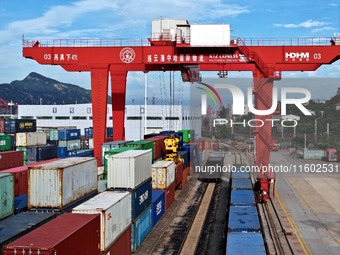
(116, 151)
(186, 135)
(6, 195)
(84, 143)
(5, 142)
(59, 183)
(62, 152)
(91, 144)
(2, 125)
(159, 146)
(31, 139)
(18, 225)
(313, 154)
(141, 198)
(70, 144)
(242, 197)
(185, 177)
(102, 185)
(122, 246)
(68, 134)
(241, 183)
(210, 34)
(185, 156)
(13, 143)
(10, 159)
(192, 149)
(52, 142)
(150, 135)
(179, 173)
(68, 234)
(239, 166)
(41, 152)
(23, 149)
(20, 125)
(158, 205)
(115, 214)
(89, 132)
(240, 174)
(243, 219)
(20, 203)
(146, 145)
(109, 132)
(140, 228)
(111, 146)
(129, 169)
(163, 174)
(21, 177)
(81, 153)
(54, 134)
(245, 243)
(169, 195)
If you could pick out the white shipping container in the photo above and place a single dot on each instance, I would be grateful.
(31, 139)
(129, 168)
(210, 35)
(59, 183)
(91, 146)
(115, 214)
(163, 174)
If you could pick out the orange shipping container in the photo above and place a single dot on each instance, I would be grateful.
(185, 177)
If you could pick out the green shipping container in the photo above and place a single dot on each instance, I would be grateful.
(186, 135)
(24, 149)
(116, 151)
(5, 143)
(146, 145)
(70, 144)
(54, 134)
(6, 195)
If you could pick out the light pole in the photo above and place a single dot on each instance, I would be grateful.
(316, 127)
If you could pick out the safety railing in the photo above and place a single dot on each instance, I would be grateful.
(86, 42)
(306, 41)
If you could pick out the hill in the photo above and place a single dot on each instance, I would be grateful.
(36, 86)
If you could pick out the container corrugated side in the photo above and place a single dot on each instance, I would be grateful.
(10, 159)
(41, 152)
(129, 169)
(111, 146)
(31, 138)
(241, 183)
(115, 214)
(2, 125)
(158, 205)
(6, 195)
(18, 225)
(69, 134)
(240, 174)
(141, 228)
(58, 183)
(245, 243)
(5, 143)
(67, 234)
(163, 174)
(70, 144)
(243, 219)
(122, 246)
(242, 197)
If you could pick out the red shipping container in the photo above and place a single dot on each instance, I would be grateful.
(179, 173)
(68, 234)
(169, 195)
(159, 145)
(185, 177)
(122, 245)
(191, 165)
(2, 125)
(21, 177)
(10, 159)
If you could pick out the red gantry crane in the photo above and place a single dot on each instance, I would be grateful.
(175, 45)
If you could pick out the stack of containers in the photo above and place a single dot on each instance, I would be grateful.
(146, 145)
(19, 225)
(88, 132)
(192, 152)
(6, 195)
(112, 145)
(159, 146)
(13, 126)
(186, 170)
(116, 151)
(59, 184)
(67, 234)
(114, 210)
(52, 136)
(163, 178)
(158, 205)
(186, 135)
(179, 174)
(131, 171)
(69, 140)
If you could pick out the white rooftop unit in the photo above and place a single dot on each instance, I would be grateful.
(167, 29)
(210, 35)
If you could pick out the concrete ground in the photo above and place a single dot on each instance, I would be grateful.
(312, 200)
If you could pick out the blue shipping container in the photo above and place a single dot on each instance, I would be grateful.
(20, 203)
(184, 155)
(52, 142)
(192, 151)
(245, 243)
(141, 198)
(69, 134)
(140, 228)
(241, 183)
(41, 152)
(89, 132)
(242, 197)
(62, 152)
(243, 219)
(18, 225)
(109, 132)
(158, 205)
(240, 174)
(80, 153)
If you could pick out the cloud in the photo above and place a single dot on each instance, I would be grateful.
(333, 4)
(316, 30)
(306, 24)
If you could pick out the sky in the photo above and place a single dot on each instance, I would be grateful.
(109, 19)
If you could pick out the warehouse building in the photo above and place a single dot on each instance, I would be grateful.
(159, 117)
